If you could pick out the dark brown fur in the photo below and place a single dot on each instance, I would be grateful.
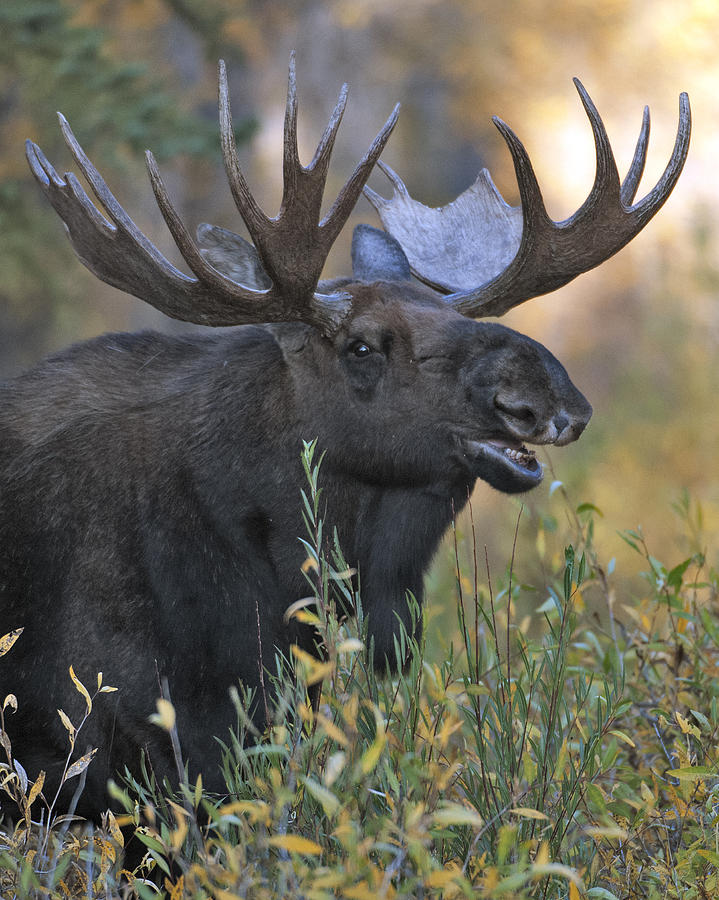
(150, 502)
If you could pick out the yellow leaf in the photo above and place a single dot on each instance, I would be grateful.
(333, 767)
(198, 791)
(623, 737)
(79, 765)
(165, 715)
(81, 688)
(64, 718)
(307, 618)
(373, 752)
(330, 803)
(319, 673)
(179, 833)
(294, 843)
(350, 710)
(35, 789)
(439, 879)
(177, 890)
(331, 879)
(683, 724)
(686, 726)
(361, 891)
(7, 640)
(456, 814)
(580, 729)
(526, 812)
(10, 700)
(344, 575)
(542, 854)
(294, 608)
(315, 669)
(351, 645)
(613, 832)
(574, 891)
(332, 731)
(257, 810)
(114, 829)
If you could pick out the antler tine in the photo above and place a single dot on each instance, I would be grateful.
(253, 217)
(399, 186)
(332, 224)
(477, 235)
(321, 159)
(290, 157)
(180, 234)
(113, 209)
(636, 170)
(293, 170)
(111, 246)
(654, 200)
(293, 246)
(532, 203)
(606, 185)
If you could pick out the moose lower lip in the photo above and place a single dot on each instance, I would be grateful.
(509, 456)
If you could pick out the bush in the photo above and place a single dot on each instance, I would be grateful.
(581, 763)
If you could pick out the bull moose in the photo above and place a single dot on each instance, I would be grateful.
(150, 484)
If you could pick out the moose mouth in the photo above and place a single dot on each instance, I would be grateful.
(505, 464)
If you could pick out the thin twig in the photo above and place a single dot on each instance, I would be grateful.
(260, 662)
(509, 595)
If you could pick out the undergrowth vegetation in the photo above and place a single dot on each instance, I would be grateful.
(582, 763)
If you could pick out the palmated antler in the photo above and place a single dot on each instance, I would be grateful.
(489, 256)
(293, 246)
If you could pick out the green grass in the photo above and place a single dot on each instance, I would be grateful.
(572, 758)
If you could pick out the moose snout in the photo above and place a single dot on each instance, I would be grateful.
(537, 426)
(566, 427)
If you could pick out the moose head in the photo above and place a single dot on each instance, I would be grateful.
(479, 256)
(151, 483)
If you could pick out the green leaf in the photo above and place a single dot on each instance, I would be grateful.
(590, 507)
(676, 576)
(702, 720)
(693, 773)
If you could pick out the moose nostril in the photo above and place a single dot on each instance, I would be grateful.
(560, 423)
(519, 411)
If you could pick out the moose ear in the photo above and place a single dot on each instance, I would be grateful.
(233, 256)
(377, 256)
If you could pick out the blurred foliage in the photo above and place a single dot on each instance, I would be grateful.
(55, 53)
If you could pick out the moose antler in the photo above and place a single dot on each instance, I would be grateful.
(293, 246)
(489, 256)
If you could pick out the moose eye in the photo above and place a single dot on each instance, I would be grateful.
(359, 348)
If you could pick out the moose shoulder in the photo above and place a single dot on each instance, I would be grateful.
(150, 519)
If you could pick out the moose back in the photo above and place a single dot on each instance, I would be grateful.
(150, 485)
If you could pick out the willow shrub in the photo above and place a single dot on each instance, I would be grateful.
(578, 764)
